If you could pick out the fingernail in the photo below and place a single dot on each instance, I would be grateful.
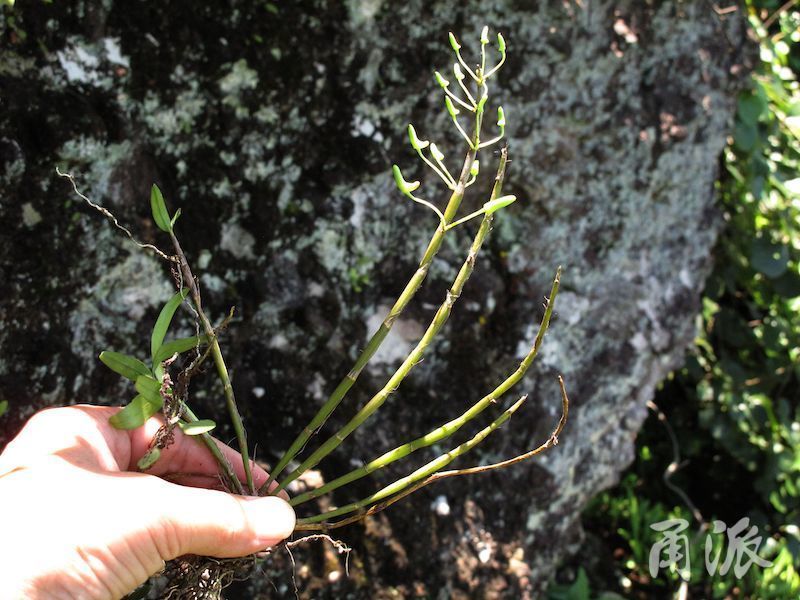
(271, 517)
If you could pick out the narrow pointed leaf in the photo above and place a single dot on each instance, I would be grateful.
(197, 427)
(150, 389)
(127, 366)
(164, 320)
(175, 218)
(178, 346)
(160, 214)
(135, 414)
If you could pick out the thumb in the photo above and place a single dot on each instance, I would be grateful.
(214, 523)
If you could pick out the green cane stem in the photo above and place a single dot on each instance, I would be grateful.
(428, 469)
(448, 429)
(224, 465)
(380, 335)
(363, 513)
(416, 355)
(219, 362)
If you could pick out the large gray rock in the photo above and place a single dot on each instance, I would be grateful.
(274, 126)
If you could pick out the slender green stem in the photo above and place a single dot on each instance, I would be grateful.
(421, 473)
(449, 428)
(380, 335)
(416, 354)
(224, 465)
(363, 513)
(219, 362)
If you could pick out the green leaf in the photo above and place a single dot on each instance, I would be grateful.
(770, 259)
(127, 366)
(744, 136)
(788, 284)
(3, 407)
(160, 214)
(150, 389)
(149, 459)
(164, 320)
(751, 107)
(198, 427)
(135, 414)
(178, 346)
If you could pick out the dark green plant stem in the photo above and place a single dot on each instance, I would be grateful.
(227, 471)
(424, 471)
(378, 337)
(363, 513)
(416, 355)
(219, 361)
(449, 428)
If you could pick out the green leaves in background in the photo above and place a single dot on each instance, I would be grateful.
(197, 427)
(127, 366)
(164, 320)
(3, 407)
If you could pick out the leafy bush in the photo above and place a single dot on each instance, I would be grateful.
(734, 407)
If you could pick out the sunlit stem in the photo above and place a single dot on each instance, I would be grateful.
(448, 429)
(466, 91)
(439, 320)
(426, 470)
(442, 221)
(445, 170)
(472, 144)
(496, 67)
(467, 68)
(469, 107)
(494, 140)
(441, 171)
(463, 220)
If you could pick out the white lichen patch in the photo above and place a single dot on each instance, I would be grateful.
(30, 216)
(92, 63)
(236, 240)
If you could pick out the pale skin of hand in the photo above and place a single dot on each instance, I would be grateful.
(77, 521)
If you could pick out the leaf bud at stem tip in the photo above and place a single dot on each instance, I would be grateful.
(416, 143)
(437, 154)
(454, 42)
(450, 107)
(485, 35)
(404, 186)
(441, 80)
(501, 117)
(475, 168)
(501, 43)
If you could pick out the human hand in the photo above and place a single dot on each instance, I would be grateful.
(75, 522)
